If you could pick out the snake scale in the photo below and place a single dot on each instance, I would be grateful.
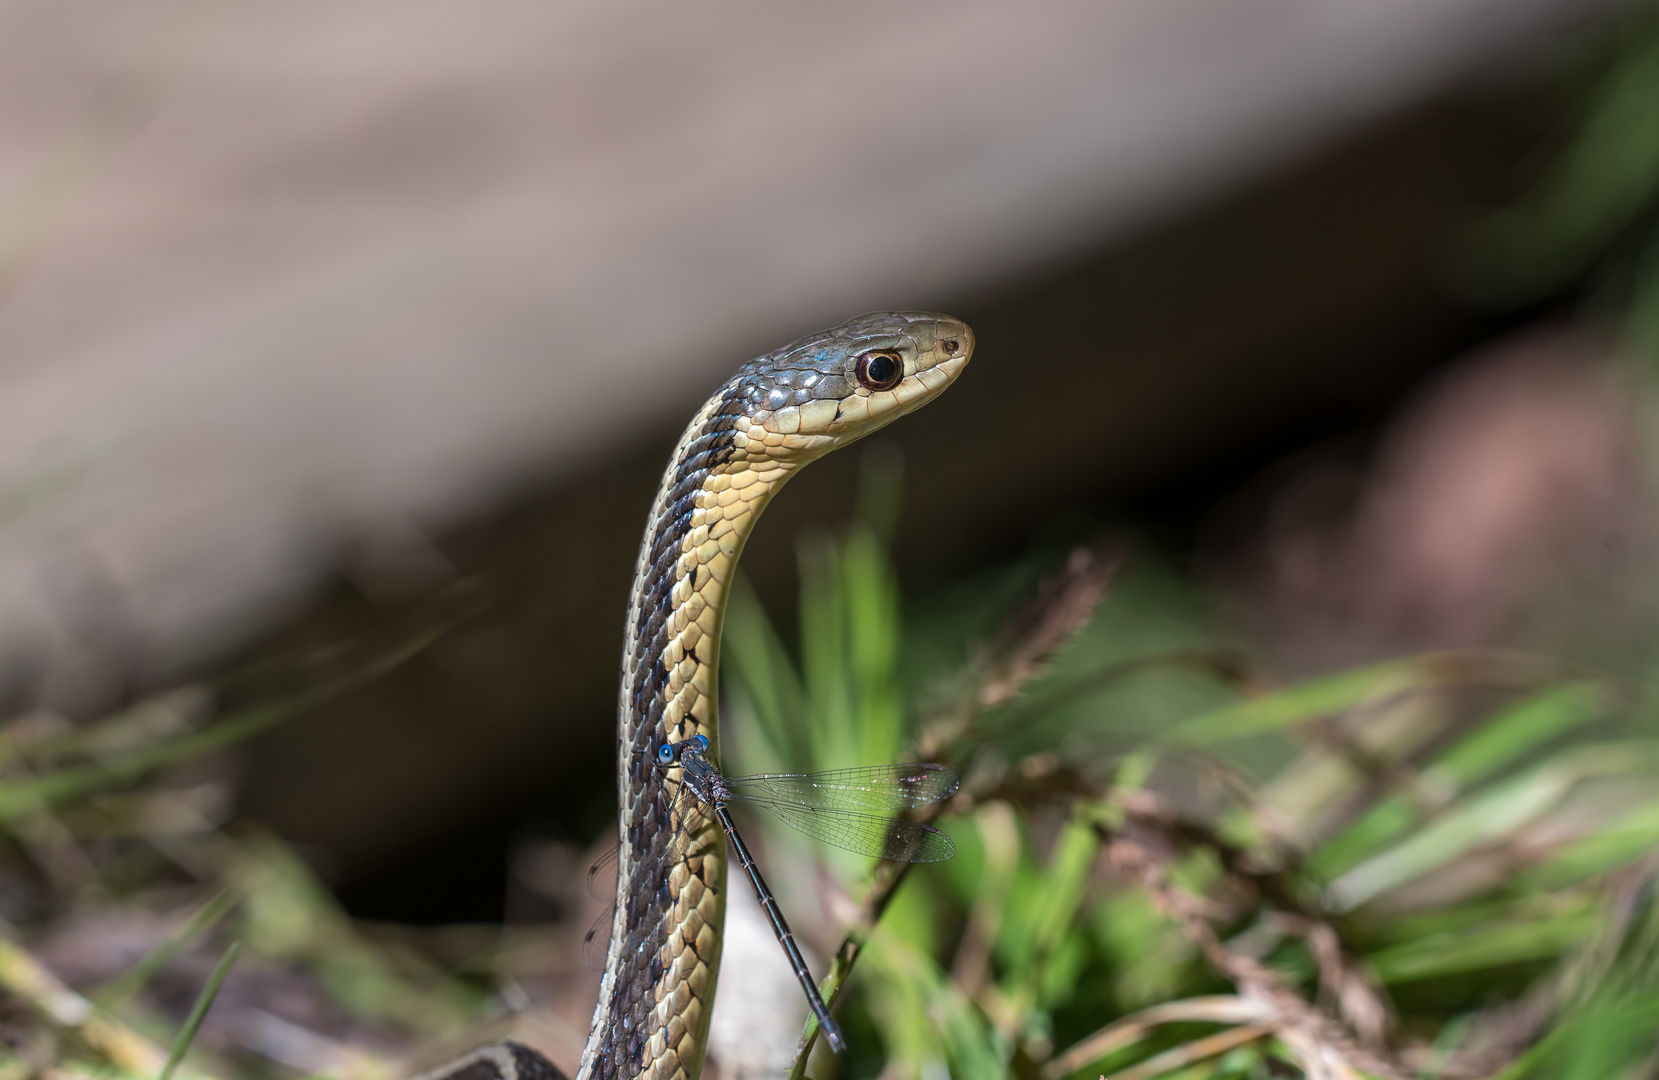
(778, 412)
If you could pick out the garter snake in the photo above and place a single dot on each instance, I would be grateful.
(779, 412)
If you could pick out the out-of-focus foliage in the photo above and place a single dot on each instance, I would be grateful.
(1169, 866)
(1594, 216)
(116, 867)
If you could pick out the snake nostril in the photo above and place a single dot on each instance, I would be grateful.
(949, 347)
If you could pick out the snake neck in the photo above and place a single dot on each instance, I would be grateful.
(657, 991)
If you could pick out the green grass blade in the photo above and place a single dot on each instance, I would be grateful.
(1615, 843)
(1520, 729)
(1509, 736)
(1332, 694)
(1484, 948)
(760, 669)
(1486, 818)
(198, 1011)
(76, 783)
(121, 989)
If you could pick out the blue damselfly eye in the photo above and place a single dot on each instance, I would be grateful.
(702, 741)
(665, 753)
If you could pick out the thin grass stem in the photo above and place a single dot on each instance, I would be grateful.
(198, 1011)
(121, 988)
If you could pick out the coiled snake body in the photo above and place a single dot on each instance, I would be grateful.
(776, 414)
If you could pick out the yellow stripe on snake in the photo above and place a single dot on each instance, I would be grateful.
(776, 414)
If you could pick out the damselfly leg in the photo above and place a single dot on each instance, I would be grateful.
(848, 808)
(852, 809)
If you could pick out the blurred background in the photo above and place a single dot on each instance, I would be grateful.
(341, 348)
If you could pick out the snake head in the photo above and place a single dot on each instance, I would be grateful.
(832, 387)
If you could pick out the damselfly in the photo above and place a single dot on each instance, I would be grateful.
(852, 809)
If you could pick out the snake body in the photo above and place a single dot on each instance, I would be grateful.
(778, 412)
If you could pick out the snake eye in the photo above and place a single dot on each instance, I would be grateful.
(880, 370)
(665, 753)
